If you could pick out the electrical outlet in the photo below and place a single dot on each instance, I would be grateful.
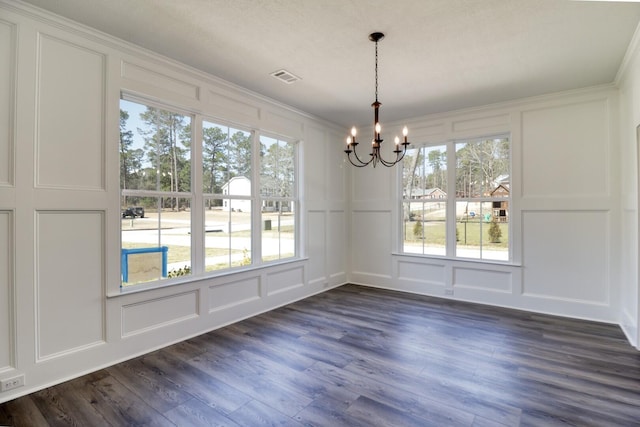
(448, 291)
(11, 383)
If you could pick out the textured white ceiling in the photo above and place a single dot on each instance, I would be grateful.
(437, 55)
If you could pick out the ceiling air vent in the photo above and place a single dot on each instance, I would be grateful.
(285, 76)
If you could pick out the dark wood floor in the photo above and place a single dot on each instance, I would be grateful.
(357, 356)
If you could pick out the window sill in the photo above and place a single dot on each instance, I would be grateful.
(167, 283)
(458, 260)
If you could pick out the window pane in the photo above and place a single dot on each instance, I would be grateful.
(480, 234)
(425, 228)
(277, 168)
(226, 160)
(425, 173)
(156, 239)
(154, 149)
(278, 231)
(227, 234)
(480, 164)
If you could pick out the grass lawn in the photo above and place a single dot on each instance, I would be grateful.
(469, 233)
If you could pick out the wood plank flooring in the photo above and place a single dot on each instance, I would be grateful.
(356, 356)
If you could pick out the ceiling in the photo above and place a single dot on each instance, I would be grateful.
(438, 55)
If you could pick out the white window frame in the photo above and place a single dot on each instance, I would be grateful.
(451, 244)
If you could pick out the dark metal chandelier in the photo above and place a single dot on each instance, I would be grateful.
(376, 142)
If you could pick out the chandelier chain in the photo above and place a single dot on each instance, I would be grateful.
(376, 71)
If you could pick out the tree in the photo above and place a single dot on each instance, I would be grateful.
(214, 158)
(167, 149)
(277, 169)
(240, 153)
(479, 164)
(130, 158)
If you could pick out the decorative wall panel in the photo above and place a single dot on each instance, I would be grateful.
(555, 161)
(7, 101)
(371, 243)
(7, 313)
(479, 124)
(69, 280)
(156, 313)
(337, 164)
(284, 280)
(337, 244)
(232, 109)
(163, 82)
(70, 123)
(315, 165)
(482, 279)
(567, 255)
(317, 234)
(222, 297)
(422, 272)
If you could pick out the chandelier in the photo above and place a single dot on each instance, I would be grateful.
(376, 142)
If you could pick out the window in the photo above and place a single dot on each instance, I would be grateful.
(278, 198)
(244, 188)
(474, 206)
(226, 172)
(155, 184)
(425, 200)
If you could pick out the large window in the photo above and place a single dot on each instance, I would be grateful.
(155, 182)
(460, 187)
(226, 170)
(278, 198)
(239, 179)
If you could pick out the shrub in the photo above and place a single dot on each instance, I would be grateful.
(418, 229)
(495, 233)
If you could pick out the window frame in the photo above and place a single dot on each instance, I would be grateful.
(451, 247)
(198, 197)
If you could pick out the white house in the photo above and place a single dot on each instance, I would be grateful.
(237, 186)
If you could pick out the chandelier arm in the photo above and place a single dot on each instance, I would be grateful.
(355, 153)
(399, 157)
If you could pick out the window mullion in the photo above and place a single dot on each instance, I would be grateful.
(451, 200)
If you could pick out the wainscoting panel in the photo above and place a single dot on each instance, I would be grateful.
(422, 272)
(315, 165)
(228, 295)
(316, 247)
(567, 255)
(337, 245)
(8, 54)
(161, 82)
(69, 281)
(283, 125)
(7, 314)
(478, 125)
(552, 137)
(73, 129)
(371, 239)
(482, 279)
(156, 313)
(232, 109)
(284, 280)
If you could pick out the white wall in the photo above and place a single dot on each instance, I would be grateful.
(60, 86)
(629, 83)
(565, 211)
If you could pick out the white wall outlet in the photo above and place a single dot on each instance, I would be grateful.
(448, 291)
(11, 383)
